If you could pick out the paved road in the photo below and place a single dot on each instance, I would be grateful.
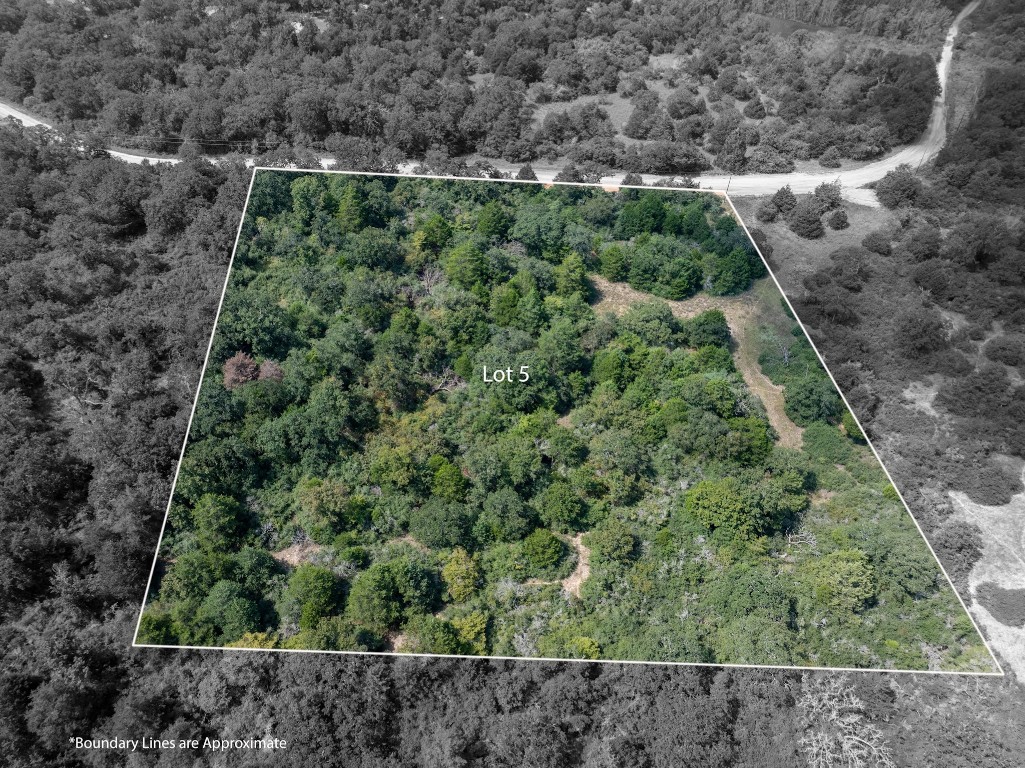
(853, 180)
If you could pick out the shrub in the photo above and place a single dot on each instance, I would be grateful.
(828, 196)
(838, 219)
(559, 506)
(728, 504)
(919, 331)
(804, 220)
(825, 443)
(754, 109)
(542, 550)
(830, 158)
(767, 212)
(877, 242)
(461, 575)
(612, 541)
(784, 199)
(811, 398)
(766, 159)
(899, 187)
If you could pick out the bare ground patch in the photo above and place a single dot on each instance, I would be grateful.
(297, 554)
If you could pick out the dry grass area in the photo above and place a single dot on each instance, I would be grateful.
(795, 257)
(742, 314)
(297, 554)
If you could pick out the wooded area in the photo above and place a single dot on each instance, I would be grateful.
(353, 481)
(109, 281)
(624, 86)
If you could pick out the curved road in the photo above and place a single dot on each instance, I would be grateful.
(852, 180)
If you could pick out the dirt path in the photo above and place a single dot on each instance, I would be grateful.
(741, 312)
(572, 583)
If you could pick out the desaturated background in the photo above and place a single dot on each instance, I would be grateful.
(110, 272)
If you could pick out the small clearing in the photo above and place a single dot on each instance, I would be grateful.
(297, 554)
(741, 313)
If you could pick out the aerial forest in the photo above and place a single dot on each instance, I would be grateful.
(419, 431)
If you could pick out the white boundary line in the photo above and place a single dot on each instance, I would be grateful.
(875, 453)
(392, 654)
(195, 403)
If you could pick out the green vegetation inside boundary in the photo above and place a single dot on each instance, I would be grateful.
(354, 482)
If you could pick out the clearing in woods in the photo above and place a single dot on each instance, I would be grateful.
(744, 313)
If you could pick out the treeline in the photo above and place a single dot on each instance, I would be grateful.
(377, 85)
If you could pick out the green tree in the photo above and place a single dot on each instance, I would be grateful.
(614, 263)
(841, 583)
(351, 213)
(652, 321)
(427, 634)
(559, 506)
(438, 523)
(708, 329)
(728, 504)
(728, 274)
(542, 550)
(310, 594)
(447, 479)
(217, 522)
(493, 221)
(228, 609)
(811, 398)
(461, 575)
(503, 518)
(612, 541)
(571, 276)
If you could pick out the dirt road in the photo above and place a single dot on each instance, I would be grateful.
(755, 184)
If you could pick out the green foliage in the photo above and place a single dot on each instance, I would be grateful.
(612, 541)
(439, 524)
(387, 591)
(812, 398)
(461, 575)
(841, 584)
(707, 329)
(543, 550)
(614, 263)
(653, 322)
(217, 522)
(427, 634)
(825, 443)
(229, 610)
(726, 504)
(311, 593)
(560, 507)
(503, 518)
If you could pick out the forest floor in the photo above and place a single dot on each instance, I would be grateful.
(742, 313)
